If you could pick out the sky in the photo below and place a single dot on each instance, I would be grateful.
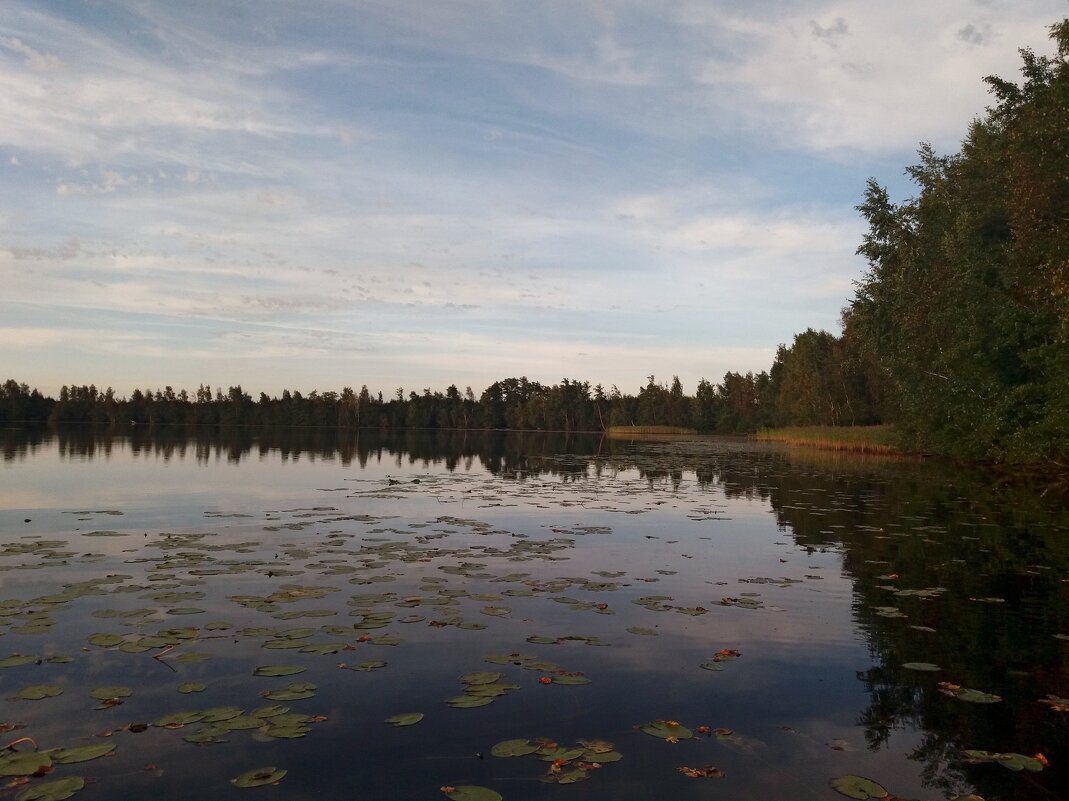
(417, 193)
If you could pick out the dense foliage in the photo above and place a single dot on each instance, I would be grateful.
(965, 306)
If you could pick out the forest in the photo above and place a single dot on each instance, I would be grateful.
(958, 332)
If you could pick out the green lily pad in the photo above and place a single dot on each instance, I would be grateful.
(24, 763)
(665, 729)
(374, 664)
(217, 714)
(52, 791)
(274, 671)
(38, 692)
(514, 748)
(187, 687)
(16, 659)
(68, 756)
(259, 777)
(927, 667)
(1012, 761)
(472, 792)
(480, 677)
(177, 720)
(404, 719)
(857, 787)
(105, 640)
(570, 680)
(469, 701)
(295, 691)
(642, 630)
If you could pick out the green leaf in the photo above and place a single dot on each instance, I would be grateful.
(404, 719)
(15, 660)
(68, 756)
(665, 729)
(25, 763)
(514, 748)
(259, 777)
(927, 667)
(52, 791)
(273, 671)
(472, 792)
(38, 692)
(858, 787)
(191, 687)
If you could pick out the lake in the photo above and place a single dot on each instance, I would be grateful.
(470, 615)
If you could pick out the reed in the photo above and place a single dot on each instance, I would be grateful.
(859, 439)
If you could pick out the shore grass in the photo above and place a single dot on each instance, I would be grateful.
(859, 439)
(626, 431)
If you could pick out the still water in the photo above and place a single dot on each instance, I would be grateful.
(702, 618)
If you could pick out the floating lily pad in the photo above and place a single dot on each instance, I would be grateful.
(68, 756)
(274, 671)
(514, 748)
(480, 677)
(105, 640)
(469, 701)
(187, 687)
(404, 719)
(1013, 761)
(374, 664)
(24, 763)
(16, 659)
(926, 667)
(858, 787)
(52, 791)
(259, 777)
(38, 692)
(642, 630)
(666, 729)
(471, 792)
(295, 691)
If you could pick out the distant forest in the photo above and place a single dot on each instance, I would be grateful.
(958, 332)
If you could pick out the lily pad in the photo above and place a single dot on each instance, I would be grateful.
(187, 687)
(52, 791)
(24, 763)
(1013, 761)
(16, 659)
(404, 719)
(471, 792)
(666, 730)
(38, 692)
(274, 671)
(858, 787)
(259, 777)
(514, 748)
(295, 691)
(68, 756)
(927, 667)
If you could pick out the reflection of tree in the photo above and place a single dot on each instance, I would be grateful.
(995, 562)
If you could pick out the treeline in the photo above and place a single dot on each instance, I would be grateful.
(794, 391)
(965, 306)
(958, 332)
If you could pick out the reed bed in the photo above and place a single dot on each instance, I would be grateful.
(857, 439)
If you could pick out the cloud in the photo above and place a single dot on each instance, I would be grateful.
(862, 93)
(34, 59)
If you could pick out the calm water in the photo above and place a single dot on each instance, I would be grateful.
(395, 576)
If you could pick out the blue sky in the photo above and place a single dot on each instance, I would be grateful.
(328, 193)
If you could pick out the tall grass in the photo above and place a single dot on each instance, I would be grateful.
(859, 439)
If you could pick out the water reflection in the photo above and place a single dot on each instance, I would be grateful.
(944, 568)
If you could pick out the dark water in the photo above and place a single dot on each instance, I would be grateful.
(597, 577)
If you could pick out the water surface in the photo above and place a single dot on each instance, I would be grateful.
(775, 605)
